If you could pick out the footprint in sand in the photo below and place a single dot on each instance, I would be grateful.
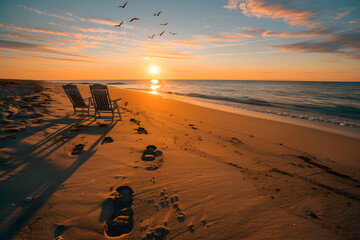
(107, 140)
(153, 156)
(119, 220)
(133, 120)
(141, 130)
(157, 233)
(77, 149)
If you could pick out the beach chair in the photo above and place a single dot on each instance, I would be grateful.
(102, 101)
(76, 99)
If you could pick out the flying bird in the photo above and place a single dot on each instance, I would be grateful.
(161, 33)
(173, 33)
(157, 14)
(123, 6)
(163, 24)
(119, 25)
(151, 37)
(134, 19)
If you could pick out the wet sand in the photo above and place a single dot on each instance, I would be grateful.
(206, 174)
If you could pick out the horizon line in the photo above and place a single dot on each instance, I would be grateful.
(181, 80)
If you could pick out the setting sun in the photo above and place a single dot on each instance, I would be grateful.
(154, 69)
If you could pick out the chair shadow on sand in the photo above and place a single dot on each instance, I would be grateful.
(32, 178)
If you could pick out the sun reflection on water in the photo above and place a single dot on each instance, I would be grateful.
(154, 86)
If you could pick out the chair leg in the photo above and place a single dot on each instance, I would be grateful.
(117, 107)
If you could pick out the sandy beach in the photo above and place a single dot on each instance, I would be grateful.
(215, 174)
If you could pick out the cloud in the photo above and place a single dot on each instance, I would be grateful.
(315, 32)
(353, 21)
(31, 47)
(76, 44)
(154, 51)
(47, 14)
(103, 21)
(345, 43)
(72, 17)
(24, 35)
(53, 32)
(341, 15)
(88, 29)
(24, 57)
(226, 37)
(67, 59)
(256, 30)
(232, 4)
(275, 9)
(189, 44)
(185, 42)
(97, 20)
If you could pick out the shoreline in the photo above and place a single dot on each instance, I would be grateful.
(268, 129)
(347, 131)
(311, 114)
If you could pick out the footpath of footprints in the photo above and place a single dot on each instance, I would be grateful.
(118, 207)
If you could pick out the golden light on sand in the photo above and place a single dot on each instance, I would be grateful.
(154, 69)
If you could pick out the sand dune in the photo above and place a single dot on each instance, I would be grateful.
(215, 175)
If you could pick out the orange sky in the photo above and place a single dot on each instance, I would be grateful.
(236, 40)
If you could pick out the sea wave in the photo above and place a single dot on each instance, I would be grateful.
(251, 101)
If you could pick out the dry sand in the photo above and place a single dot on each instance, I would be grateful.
(214, 175)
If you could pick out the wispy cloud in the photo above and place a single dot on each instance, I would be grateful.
(256, 30)
(103, 21)
(354, 21)
(341, 15)
(66, 59)
(71, 44)
(345, 43)
(53, 32)
(314, 32)
(72, 17)
(225, 37)
(241, 53)
(88, 29)
(31, 58)
(185, 42)
(47, 14)
(97, 20)
(275, 9)
(24, 36)
(232, 4)
(31, 47)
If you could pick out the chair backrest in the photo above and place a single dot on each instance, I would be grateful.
(101, 97)
(74, 95)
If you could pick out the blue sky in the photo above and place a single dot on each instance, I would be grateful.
(225, 39)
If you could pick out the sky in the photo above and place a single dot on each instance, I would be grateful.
(203, 39)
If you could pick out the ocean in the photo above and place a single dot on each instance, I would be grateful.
(330, 102)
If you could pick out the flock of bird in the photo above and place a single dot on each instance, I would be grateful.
(138, 19)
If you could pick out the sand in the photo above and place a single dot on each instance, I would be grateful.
(213, 174)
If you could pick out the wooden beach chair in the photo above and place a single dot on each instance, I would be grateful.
(76, 99)
(102, 101)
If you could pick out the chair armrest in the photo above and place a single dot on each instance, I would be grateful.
(116, 100)
(90, 100)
